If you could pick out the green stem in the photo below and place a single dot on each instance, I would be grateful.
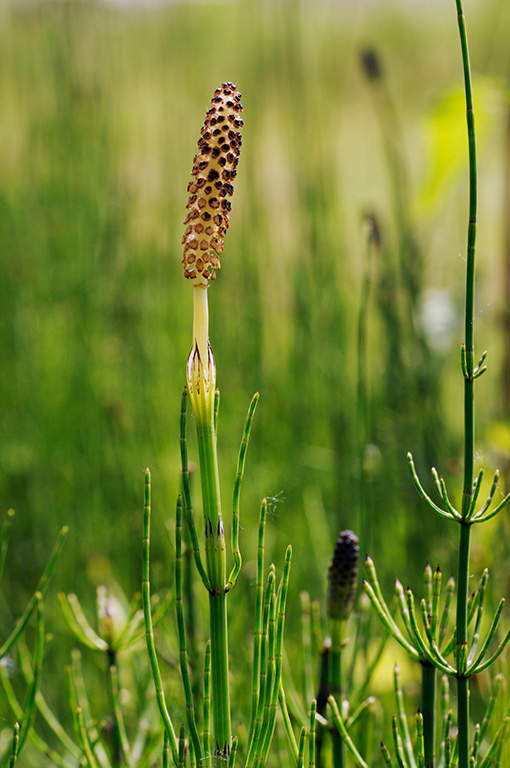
(116, 755)
(209, 479)
(461, 645)
(469, 412)
(219, 675)
(14, 747)
(336, 688)
(149, 630)
(362, 395)
(216, 572)
(428, 698)
(183, 652)
(259, 606)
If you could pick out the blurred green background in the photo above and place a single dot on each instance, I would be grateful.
(100, 109)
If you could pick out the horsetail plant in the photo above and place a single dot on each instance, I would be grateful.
(345, 664)
(342, 580)
(459, 654)
(214, 169)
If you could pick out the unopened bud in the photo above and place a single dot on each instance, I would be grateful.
(214, 170)
(342, 576)
(201, 380)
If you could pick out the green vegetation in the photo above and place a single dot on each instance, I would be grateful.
(340, 300)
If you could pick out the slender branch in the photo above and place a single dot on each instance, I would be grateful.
(340, 725)
(257, 636)
(441, 512)
(38, 594)
(149, 632)
(186, 492)
(183, 654)
(236, 554)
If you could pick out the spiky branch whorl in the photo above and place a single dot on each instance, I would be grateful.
(214, 169)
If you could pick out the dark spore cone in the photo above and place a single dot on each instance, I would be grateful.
(343, 576)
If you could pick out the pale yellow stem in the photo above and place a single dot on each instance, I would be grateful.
(201, 321)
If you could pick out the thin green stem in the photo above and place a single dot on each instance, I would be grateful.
(216, 573)
(236, 553)
(311, 731)
(278, 651)
(340, 725)
(301, 749)
(206, 733)
(29, 706)
(335, 687)
(83, 736)
(469, 413)
(259, 602)
(233, 753)
(428, 709)
(263, 694)
(287, 722)
(461, 646)
(420, 742)
(306, 641)
(166, 751)
(14, 746)
(362, 393)
(186, 492)
(403, 742)
(37, 596)
(219, 675)
(183, 653)
(149, 632)
(213, 522)
(121, 751)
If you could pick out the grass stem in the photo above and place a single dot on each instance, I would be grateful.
(469, 411)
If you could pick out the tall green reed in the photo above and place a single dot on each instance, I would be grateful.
(431, 646)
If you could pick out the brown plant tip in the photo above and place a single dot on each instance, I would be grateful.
(214, 170)
(342, 576)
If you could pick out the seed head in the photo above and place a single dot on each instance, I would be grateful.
(342, 576)
(214, 170)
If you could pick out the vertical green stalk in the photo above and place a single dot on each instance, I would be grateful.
(14, 746)
(183, 652)
(336, 687)
(259, 607)
(469, 412)
(206, 224)
(149, 631)
(216, 570)
(206, 735)
(362, 395)
(116, 755)
(428, 710)
(461, 647)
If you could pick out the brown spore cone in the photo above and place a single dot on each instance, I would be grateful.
(214, 171)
